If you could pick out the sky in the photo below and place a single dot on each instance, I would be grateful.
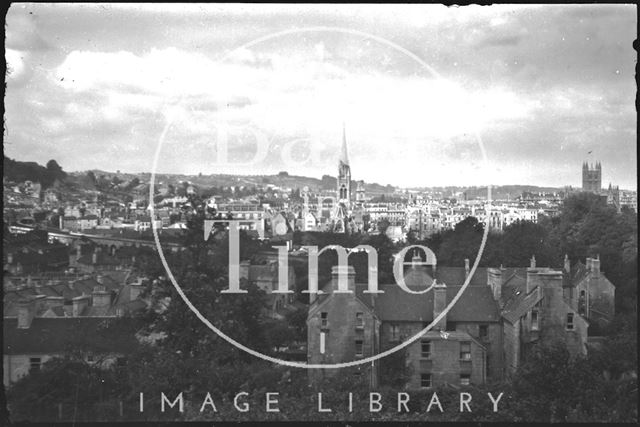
(427, 95)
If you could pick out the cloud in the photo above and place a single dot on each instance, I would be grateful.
(538, 83)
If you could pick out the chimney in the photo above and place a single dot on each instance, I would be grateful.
(347, 273)
(532, 279)
(495, 280)
(439, 304)
(94, 258)
(533, 261)
(100, 279)
(26, 313)
(567, 264)
(135, 289)
(101, 297)
(466, 268)
(595, 266)
(79, 305)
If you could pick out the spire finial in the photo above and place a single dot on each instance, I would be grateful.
(344, 157)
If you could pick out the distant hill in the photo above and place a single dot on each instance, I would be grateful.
(18, 171)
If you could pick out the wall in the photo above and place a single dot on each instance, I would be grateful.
(341, 332)
(511, 339)
(493, 343)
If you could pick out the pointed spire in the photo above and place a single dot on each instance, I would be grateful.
(344, 158)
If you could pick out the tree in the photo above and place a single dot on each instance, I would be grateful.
(383, 224)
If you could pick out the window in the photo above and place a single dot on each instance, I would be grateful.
(359, 320)
(425, 380)
(465, 350)
(395, 332)
(425, 349)
(465, 379)
(582, 302)
(359, 347)
(483, 331)
(535, 324)
(324, 320)
(570, 321)
(34, 362)
(450, 326)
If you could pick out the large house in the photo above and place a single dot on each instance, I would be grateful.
(484, 336)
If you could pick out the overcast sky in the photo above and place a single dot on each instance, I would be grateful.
(420, 89)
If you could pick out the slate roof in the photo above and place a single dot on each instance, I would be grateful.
(520, 305)
(57, 334)
(578, 272)
(514, 286)
(476, 304)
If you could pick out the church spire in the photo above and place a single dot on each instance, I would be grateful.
(344, 158)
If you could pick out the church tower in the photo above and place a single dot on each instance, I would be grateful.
(592, 177)
(344, 174)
